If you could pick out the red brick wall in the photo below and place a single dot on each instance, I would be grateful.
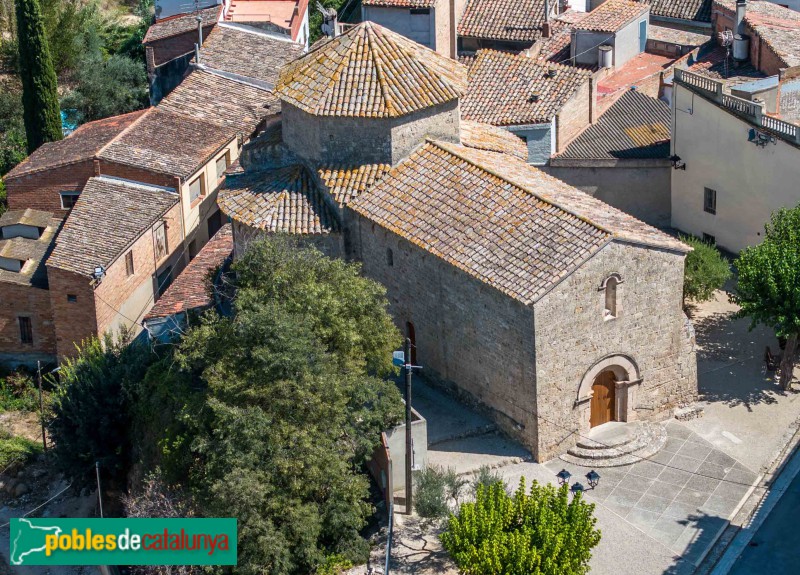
(74, 321)
(762, 55)
(170, 48)
(25, 300)
(41, 190)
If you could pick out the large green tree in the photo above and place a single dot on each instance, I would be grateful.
(705, 270)
(768, 290)
(39, 84)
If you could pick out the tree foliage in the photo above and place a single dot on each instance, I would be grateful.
(39, 85)
(705, 270)
(274, 410)
(540, 532)
(768, 288)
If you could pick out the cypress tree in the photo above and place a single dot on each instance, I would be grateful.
(39, 84)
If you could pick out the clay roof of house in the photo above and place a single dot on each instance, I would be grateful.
(26, 217)
(493, 139)
(778, 27)
(191, 289)
(682, 37)
(346, 183)
(497, 218)
(711, 61)
(372, 72)
(247, 51)
(81, 145)
(634, 127)
(400, 3)
(109, 216)
(612, 15)
(239, 106)
(168, 143)
(31, 251)
(698, 10)
(283, 200)
(180, 23)
(506, 89)
(509, 20)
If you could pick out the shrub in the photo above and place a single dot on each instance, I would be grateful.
(705, 270)
(14, 448)
(18, 392)
(540, 532)
(431, 493)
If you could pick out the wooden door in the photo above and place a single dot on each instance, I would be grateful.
(602, 399)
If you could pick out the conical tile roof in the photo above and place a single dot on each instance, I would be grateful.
(370, 72)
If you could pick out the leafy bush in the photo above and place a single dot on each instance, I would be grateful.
(18, 392)
(537, 533)
(14, 448)
(705, 270)
(13, 146)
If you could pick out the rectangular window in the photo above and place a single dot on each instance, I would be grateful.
(709, 239)
(72, 298)
(420, 11)
(222, 165)
(68, 199)
(25, 330)
(163, 280)
(160, 241)
(196, 189)
(710, 201)
(129, 263)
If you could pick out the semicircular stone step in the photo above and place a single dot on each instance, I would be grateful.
(647, 440)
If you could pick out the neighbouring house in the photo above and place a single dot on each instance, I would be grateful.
(192, 290)
(169, 45)
(673, 42)
(431, 23)
(623, 159)
(286, 17)
(733, 152)
(611, 34)
(27, 333)
(482, 255)
(166, 8)
(689, 15)
(544, 104)
(510, 25)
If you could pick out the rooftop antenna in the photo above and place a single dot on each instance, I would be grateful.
(726, 40)
(329, 22)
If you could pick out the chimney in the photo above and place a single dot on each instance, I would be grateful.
(741, 10)
(546, 28)
(199, 39)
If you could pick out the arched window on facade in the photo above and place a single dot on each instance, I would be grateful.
(610, 289)
(389, 257)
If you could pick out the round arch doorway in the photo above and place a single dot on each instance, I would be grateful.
(603, 398)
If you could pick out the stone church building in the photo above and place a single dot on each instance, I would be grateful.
(554, 310)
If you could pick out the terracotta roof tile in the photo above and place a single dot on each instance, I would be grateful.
(284, 200)
(634, 127)
(26, 217)
(81, 145)
(191, 289)
(33, 252)
(181, 23)
(699, 10)
(370, 71)
(510, 20)
(493, 139)
(400, 3)
(612, 15)
(498, 219)
(238, 106)
(710, 61)
(507, 89)
(347, 183)
(108, 217)
(247, 51)
(168, 143)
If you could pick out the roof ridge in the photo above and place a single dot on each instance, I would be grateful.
(378, 63)
(119, 134)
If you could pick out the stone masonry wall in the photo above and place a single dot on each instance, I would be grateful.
(572, 335)
(468, 336)
(28, 301)
(440, 122)
(328, 244)
(41, 190)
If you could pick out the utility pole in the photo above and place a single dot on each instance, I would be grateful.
(99, 491)
(41, 404)
(409, 444)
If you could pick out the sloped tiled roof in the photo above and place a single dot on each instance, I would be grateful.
(284, 200)
(509, 20)
(181, 23)
(247, 51)
(168, 143)
(109, 216)
(675, 36)
(26, 217)
(81, 145)
(497, 218)
(612, 15)
(190, 289)
(698, 10)
(238, 106)
(507, 89)
(346, 183)
(634, 127)
(777, 26)
(493, 139)
(372, 72)
(32, 252)
(400, 3)
(711, 62)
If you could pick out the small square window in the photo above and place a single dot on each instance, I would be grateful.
(196, 189)
(68, 199)
(25, 330)
(710, 201)
(129, 269)
(72, 298)
(709, 239)
(420, 11)
(222, 165)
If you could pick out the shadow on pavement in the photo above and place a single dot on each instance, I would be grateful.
(708, 527)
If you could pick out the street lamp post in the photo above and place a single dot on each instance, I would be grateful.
(409, 444)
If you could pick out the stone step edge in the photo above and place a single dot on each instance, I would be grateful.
(639, 442)
(505, 462)
(477, 432)
(627, 459)
(588, 443)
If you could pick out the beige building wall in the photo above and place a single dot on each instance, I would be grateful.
(750, 181)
